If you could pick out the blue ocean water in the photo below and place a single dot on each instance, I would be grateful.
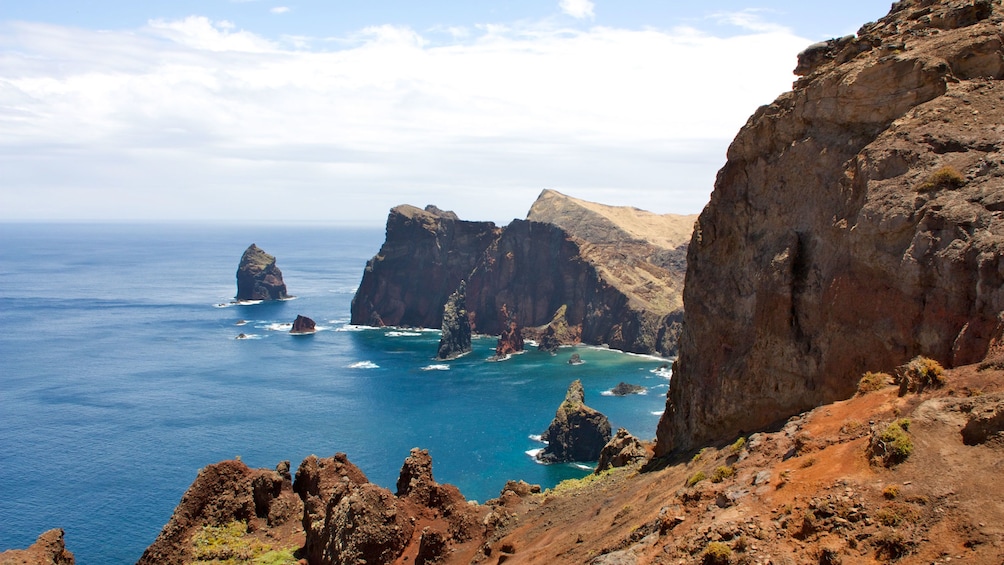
(120, 376)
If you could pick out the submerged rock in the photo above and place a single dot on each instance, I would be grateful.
(575, 359)
(258, 278)
(577, 433)
(303, 325)
(456, 330)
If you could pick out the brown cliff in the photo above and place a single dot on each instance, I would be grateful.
(48, 549)
(616, 271)
(258, 278)
(856, 224)
(424, 257)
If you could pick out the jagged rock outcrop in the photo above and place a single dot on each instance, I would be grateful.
(456, 329)
(511, 339)
(48, 549)
(556, 333)
(349, 520)
(856, 224)
(223, 493)
(423, 259)
(624, 389)
(303, 325)
(577, 433)
(258, 278)
(617, 271)
(622, 449)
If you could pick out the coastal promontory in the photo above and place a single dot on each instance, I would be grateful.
(258, 278)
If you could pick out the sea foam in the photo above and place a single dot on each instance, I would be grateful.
(364, 365)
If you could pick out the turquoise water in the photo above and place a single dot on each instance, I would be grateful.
(120, 376)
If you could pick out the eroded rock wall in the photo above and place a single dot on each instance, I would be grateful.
(856, 224)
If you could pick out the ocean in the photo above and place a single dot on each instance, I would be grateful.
(120, 377)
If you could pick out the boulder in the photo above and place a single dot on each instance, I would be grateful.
(577, 433)
(48, 549)
(856, 225)
(258, 278)
(456, 329)
(622, 449)
(624, 389)
(303, 325)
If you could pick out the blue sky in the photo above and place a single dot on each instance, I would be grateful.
(333, 111)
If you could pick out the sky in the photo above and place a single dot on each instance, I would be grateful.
(334, 111)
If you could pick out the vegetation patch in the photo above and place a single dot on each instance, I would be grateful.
(945, 178)
(893, 445)
(696, 478)
(738, 445)
(230, 545)
(920, 373)
(568, 485)
(721, 473)
(716, 553)
(871, 382)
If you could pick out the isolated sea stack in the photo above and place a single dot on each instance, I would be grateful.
(303, 325)
(258, 278)
(577, 433)
(511, 339)
(456, 329)
(856, 224)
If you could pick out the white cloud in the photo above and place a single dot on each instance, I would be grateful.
(749, 19)
(579, 9)
(279, 9)
(198, 119)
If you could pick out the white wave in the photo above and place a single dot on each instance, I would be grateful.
(530, 343)
(533, 453)
(658, 412)
(241, 323)
(279, 327)
(611, 393)
(287, 299)
(344, 290)
(536, 437)
(355, 328)
(660, 386)
(364, 365)
(337, 322)
(436, 368)
(664, 372)
(249, 336)
(397, 333)
(583, 466)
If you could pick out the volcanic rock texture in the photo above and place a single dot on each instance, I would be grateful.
(577, 433)
(258, 278)
(858, 222)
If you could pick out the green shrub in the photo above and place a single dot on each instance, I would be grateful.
(921, 372)
(947, 177)
(871, 382)
(721, 473)
(891, 492)
(228, 544)
(696, 478)
(738, 445)
(716, 553)
(894, 444)
(697, 456)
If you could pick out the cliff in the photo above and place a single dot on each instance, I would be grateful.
(616, 271)
(424, 257)
(258, 278)
(856, 224)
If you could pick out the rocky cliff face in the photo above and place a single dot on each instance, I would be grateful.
(424, 257)
(258, 278)
(858, 222)
(617, 272)
(48, 549)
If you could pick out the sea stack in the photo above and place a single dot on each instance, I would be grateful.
(577, 433)
(303, 325)
(511, 339)
(258, 278)
(456, 330)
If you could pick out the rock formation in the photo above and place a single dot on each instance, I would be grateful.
(616, 271)
(856, 224)
(222, 494)
(624, 389)
(511, 339)
(258, 278)
(577, 433)
(303, 325)
(48, 549)
(456, 329)
(622, 449)
(556, 333)
(423, 259)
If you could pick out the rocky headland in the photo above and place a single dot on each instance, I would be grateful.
(858, 223)
(611, 275)
(258, 278)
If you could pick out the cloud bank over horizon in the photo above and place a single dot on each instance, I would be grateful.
(196, 119)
